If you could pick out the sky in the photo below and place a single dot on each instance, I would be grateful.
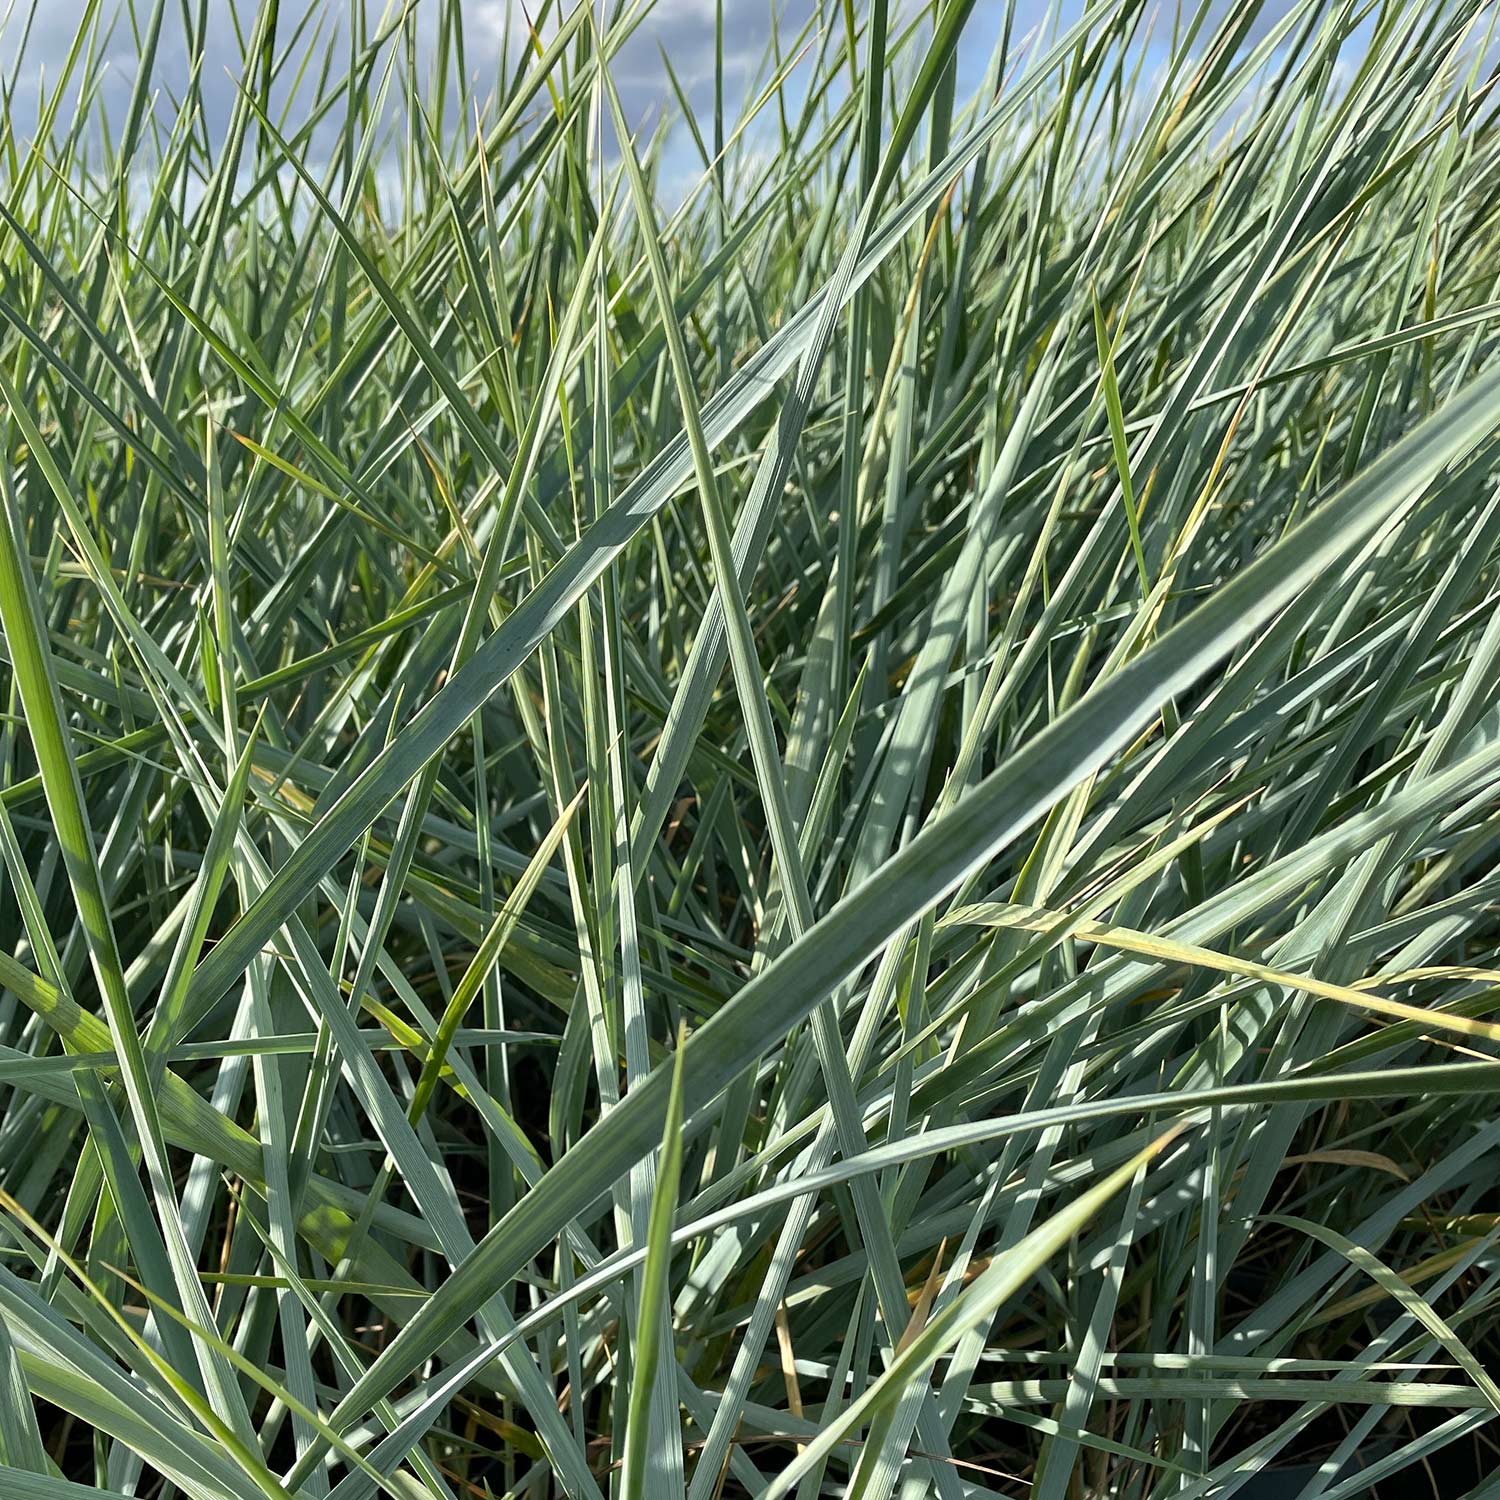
(684, 29)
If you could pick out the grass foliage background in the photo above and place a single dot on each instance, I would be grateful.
(831, 836)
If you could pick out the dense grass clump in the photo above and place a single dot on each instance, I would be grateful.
(820, 825)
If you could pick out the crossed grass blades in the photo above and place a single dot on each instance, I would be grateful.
(828, 830)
